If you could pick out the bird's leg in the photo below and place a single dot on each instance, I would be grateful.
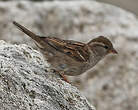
(62, 75)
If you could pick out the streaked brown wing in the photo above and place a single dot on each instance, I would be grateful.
(74, 49)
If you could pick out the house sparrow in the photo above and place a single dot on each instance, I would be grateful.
(70, 57)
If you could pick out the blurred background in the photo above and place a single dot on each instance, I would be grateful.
(130, 5)
(113, 83)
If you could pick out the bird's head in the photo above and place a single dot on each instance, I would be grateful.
(102, 46)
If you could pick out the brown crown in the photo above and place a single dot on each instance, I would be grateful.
(102, 39)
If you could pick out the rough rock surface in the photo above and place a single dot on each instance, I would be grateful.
(113, 83)
(26, 84)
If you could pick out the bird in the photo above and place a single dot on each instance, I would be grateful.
(69, 57)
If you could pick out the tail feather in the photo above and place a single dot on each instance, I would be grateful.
(26, 31)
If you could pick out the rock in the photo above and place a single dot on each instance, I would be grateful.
(127, 4)
(69, 20)
(44, 0)
(110, 85)
(26, 83)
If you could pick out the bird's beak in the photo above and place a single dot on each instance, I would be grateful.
(113, 51)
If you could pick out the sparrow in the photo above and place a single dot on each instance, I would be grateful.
(70, 57)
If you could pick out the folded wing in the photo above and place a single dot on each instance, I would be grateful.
(74, 49)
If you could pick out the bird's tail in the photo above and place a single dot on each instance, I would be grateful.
(26, 31)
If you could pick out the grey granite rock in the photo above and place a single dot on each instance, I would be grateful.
(113, 83)
(130, 5)
(69, 20)
(27, 84)
(44, 0)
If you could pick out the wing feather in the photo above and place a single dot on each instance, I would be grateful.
(73, 49)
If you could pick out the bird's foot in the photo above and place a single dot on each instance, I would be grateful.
(62, 75)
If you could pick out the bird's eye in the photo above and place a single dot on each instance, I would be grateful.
(106, 47)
